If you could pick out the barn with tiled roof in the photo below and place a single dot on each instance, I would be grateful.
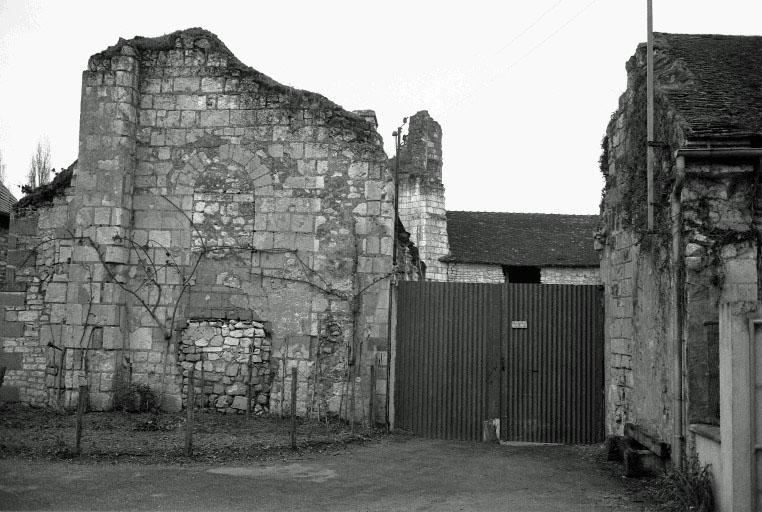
(521, 247)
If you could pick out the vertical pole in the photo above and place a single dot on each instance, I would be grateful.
(189, 406)
(396, 193)
(2, 375)
(372, 398)
(81, 403)
(650, 116)
(248, 387)
(61, 370)
(203, 383)
(293, 408)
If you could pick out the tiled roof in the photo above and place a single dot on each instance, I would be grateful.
(6, 199)
(536, 239)
(717, 79)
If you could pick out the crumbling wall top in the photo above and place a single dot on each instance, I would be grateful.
(188, 45)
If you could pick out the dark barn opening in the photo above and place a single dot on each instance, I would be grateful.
(521, 274)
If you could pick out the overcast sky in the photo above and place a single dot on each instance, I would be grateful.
(523, 90)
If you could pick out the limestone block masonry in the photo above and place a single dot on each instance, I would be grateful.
(570, 275)
(206, 190)
(421, 201)
(474, 273)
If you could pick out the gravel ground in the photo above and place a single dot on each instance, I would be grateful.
(387, 474)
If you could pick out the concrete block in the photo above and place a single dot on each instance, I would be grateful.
(639, 461)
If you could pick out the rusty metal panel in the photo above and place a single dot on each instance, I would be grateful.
(553, 377)
(447, 377)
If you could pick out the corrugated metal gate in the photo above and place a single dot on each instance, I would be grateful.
(529, 354)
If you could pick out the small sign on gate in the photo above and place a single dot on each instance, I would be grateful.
(518, 324)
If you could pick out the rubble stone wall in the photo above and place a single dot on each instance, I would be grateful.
(227, 357)
(31, 315)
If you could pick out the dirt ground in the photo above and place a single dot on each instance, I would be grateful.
(35, 433)
(388, 474)
(135, 462)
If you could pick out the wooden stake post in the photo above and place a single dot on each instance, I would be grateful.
(293, 408)
(189, 407)
(81, 405)
(248, 386)
(372, 398)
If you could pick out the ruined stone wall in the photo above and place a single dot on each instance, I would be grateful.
(206, 191)
(421, 201)
(720, 225)
(570, 275)
(474, 273)
(37, 261)
(635, 266)
(290, 205)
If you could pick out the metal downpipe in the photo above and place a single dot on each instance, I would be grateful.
(678, 292)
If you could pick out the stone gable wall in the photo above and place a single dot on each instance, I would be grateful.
(207, 190)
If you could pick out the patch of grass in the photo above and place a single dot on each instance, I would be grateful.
(134, 398)
(686, 490)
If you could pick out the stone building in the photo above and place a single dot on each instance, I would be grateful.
(216, 221)
(665, 288)
(490, 247)
(485, 247)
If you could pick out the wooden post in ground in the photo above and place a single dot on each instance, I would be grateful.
(248, 386)
(372, 398)
(203, 383)
(81, 404)
(293, 407)
(189, 406)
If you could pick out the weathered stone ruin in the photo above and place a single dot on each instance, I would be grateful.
(214, 216)
(706, 174)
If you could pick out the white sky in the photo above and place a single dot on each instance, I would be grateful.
(523, 103)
